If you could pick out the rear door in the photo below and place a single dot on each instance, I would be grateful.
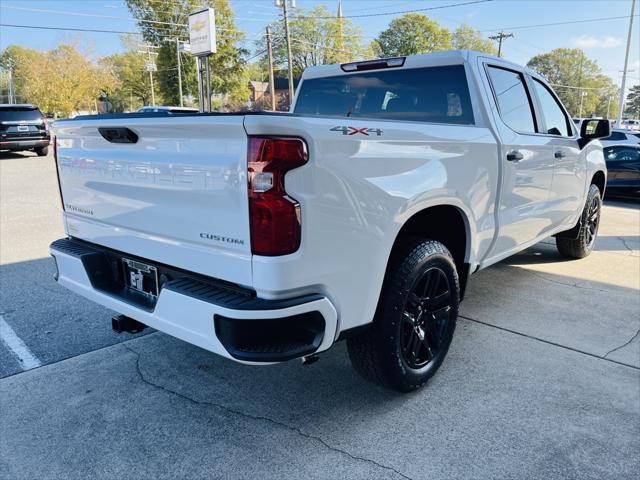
(177, 195)
(527, 166)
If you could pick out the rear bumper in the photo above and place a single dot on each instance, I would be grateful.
(227, 321)
(17, 144)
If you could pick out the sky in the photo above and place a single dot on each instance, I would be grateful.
(603, 40)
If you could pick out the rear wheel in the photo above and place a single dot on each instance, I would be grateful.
(415, 320)
(583, 245)
(42, 151)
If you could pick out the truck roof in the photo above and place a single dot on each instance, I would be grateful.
(449, 57)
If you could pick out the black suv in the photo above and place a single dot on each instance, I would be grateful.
(23, 127)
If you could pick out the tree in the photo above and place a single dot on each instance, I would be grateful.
(632, 107)
(133, 86)
(162, 22)
(466, 37)
(577, 80)
(411, 34)
(317, 38)
(59, 81)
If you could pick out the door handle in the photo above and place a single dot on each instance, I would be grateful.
(559, 154)
(514, 156)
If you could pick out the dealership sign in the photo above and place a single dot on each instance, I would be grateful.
(202, 32)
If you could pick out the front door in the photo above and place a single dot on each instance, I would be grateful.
(570, 171)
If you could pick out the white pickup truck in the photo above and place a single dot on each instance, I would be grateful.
(359, 215)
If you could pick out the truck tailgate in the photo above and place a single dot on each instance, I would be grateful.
(177, 196)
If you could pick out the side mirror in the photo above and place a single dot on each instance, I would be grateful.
(592, 129)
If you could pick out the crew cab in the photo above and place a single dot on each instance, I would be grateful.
(23, 127)
(359, 215)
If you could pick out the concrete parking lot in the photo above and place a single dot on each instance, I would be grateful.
(542, 379)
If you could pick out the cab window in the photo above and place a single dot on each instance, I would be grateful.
(556, 121)
(512, 99)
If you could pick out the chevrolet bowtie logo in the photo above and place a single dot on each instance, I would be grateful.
(198, 25)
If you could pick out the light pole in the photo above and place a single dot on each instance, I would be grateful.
(626, 64)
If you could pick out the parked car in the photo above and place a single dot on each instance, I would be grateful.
(623, 166)
(630, 124)
(360, 215)
(167, 110)
(23, 127)
(621, 136)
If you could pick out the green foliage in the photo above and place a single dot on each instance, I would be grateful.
(570, 67)
(466, 37)
(412, 34)
(60, 81)
(227, 64)
(133, 87)
(632, 107)
(316, 38)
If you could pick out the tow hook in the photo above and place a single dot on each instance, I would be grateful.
(309, 359)
(122, 323)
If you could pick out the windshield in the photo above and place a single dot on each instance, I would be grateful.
(19, 114)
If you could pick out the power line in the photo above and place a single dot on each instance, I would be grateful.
(113, 17)
(400, 12)
(169, 33)
(40, 27)
(556, 23)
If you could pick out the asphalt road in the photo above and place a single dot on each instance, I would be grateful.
(542, 379)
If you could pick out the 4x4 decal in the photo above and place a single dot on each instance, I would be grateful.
(349, 130)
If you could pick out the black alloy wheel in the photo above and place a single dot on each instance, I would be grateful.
(427, 317)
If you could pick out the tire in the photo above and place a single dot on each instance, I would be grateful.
(42, 151)
(583, 245)
(415, 319)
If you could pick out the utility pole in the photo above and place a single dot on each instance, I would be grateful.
(582, 95)
(271, 81)
(153, 93)
(626, 64)
(11, 92)
(179, 71)
(151, 67)
(500, 37)
(283, 3)
(580, 91)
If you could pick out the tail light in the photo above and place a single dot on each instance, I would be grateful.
(45, 123)
(274, 215)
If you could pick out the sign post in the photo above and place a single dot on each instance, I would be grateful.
(202, 37)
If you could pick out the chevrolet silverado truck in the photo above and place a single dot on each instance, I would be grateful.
(358, 215)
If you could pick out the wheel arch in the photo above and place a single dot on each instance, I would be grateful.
(599, 179)
(447, 224)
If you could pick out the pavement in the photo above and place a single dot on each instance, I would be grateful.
(542, 379)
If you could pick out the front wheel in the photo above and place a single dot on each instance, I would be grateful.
(415, 319)
(583, 245)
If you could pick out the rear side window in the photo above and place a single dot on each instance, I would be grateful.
(512, 99)
(613, 154)
(554, 117)
(15, 114)
(435, 94)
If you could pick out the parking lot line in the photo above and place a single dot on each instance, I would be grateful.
(9, 337)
